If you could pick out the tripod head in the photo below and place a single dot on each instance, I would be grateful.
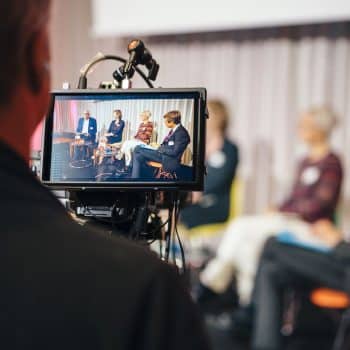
(138, 55)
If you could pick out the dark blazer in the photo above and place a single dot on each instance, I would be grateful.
(214, 206)
(64, 286)
(173, 147)
(116, 130)
(92, 127)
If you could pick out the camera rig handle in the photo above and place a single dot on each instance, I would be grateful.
(138, 54)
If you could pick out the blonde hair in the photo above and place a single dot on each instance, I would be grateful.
(147, 113)
(218, 114)
(324, 117)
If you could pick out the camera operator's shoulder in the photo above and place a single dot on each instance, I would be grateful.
(122, 255)
(81, 243)
(87, 256)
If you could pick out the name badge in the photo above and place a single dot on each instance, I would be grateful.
(171, 143)
(91, 127)
(217, 160)
(310, 176)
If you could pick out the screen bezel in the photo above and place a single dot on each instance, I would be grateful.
(200, 115)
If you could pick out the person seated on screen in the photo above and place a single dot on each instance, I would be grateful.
(283, 266)
(170, 151)
(87, 128)
(142, 136)
(314, 196)
(115, 130)
(100, 150)
(110, 164)
(213, 205)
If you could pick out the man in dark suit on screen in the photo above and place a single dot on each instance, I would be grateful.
(64, 286)
(170, 151)
(87, 127)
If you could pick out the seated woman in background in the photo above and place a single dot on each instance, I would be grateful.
(143, 136)
(115, 130)
(213, 205)
(314, 196)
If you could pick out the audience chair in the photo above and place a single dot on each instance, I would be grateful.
(336, 302)
(154, 137)
(236, 206)
(187, 157)
(203, 240)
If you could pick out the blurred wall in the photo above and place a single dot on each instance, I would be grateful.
(115, 18)
(266, 77)
(72, 45)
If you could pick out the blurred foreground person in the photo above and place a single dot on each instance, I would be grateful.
(285, 265)
(314, 196)
(213, 205)
(62, 286)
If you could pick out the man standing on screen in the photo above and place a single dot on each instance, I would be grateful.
(170, 151)
(87, 127)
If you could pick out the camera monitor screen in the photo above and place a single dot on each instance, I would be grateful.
(150, 138)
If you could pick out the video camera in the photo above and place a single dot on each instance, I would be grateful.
(115, 150)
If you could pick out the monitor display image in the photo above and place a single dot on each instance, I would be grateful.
(124, 139)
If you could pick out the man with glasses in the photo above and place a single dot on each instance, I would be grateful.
(170, 151)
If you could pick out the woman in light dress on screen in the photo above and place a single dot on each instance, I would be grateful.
(142, 137)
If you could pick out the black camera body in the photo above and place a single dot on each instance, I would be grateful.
(121, 154)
